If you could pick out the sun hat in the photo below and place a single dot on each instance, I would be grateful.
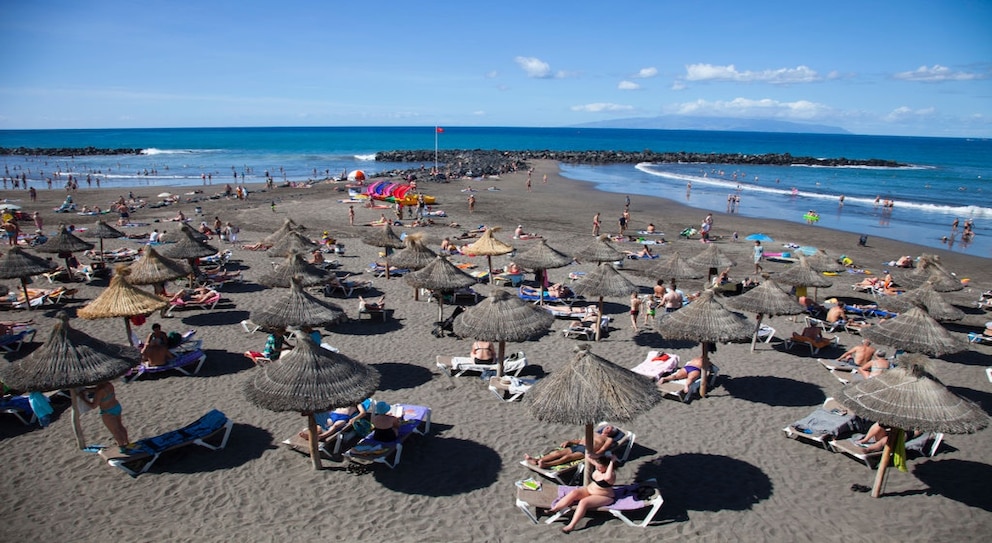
(381, 408)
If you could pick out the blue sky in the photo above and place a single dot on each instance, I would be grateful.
(902, 68)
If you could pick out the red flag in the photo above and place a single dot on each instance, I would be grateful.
(439, 129)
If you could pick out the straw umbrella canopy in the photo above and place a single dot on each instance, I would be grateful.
(589, 389)
(822, 262)
(294, 266)
(503, 317)
(189, 248)
(674, 267)
(929, 299)
(542, 256)
(914, 331)
(310, 380)
(603, 281)
(415, 255)
(439, 275)
(64, 244)
(909, 398)
(288, 226)
(768, 298)
(489, 246)
(101, 230)
(387, 239)
(297, 307)
(293, 242)
(20, 264)
(600, 250)
(930, 269)
(69, 359)
(155, 269)
(704, 320)
(122, 299)
(802, 275)
(194, 233)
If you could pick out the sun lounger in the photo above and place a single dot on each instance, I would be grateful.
(657, 365)
(456, 366)
(828, 422)
(345, 287)
(19, 407)
(979, 338)
(379, 270)
(534, 295)
(638, 496)
(61, 294)
(332, 445)
(926, 443)
(831, 327)
(814, 344)
(416, 420)
(509, 388)
(209, 302)
(180, 363)
(36, 297)
(675, 390)
(569, 472)
(514, 279)
(13, 342)
(139, 457)
(561, 311)
(587, 333)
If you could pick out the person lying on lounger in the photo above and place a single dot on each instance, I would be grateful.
(197, 295)
(575, 449)
(335, 421)
(378, 305)
(690, 372)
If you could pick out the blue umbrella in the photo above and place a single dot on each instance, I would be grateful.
(759, 237)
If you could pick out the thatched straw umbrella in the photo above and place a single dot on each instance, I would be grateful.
(914, 331)
(69, 359)
(768, 298)
(589, 389)
(603, 281)
(489, 246)
(293, 242)
(822, 262)
(155, 269)
(387, 239)
(909, 398)
(101, 230)
(297, 307)
(600, 250)
(64, 244)
(194, 233)
(542, 256)
(294, 266)
(929, 268)
(706, 321)
(19, 264)
(438, 276)
(310, 380)
(673, 267)
(288, 226)
(712, 259)
(802, 276)
(122, 299)
(503, 317)
(189, 248)
(415, 256)
(926, 297)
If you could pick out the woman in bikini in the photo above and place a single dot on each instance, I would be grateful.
(598, 493)
(483, 352)
(105, 397)
(690, 372)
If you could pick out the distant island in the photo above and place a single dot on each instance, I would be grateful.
(724, 124)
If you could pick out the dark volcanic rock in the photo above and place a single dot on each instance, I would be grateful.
(65, 151)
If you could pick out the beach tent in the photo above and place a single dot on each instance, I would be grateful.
(356, 175)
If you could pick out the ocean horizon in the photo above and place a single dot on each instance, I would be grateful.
(944, 178)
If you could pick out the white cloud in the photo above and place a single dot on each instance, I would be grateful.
(599, 107)
(645, 73)
(492, 74)
(534, 67)
(678, 85)
(937, 74)
(479, 113)
(628, 85)
(903, 113)
(746, 107)
(780, 76)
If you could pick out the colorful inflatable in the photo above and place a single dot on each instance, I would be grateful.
(395, 192)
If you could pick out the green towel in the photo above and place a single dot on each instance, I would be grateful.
(899, 451)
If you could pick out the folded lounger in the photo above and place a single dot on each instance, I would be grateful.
(826, 423)
(674, 390)
(926, 443)
(178, 363)
(139, 458)
(569, 472)
(635, 497)
(416, 420)
(456, 366)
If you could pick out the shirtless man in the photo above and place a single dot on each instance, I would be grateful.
(859, 354)
(671, 300)
(836, 313)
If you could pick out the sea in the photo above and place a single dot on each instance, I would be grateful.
(943, 180)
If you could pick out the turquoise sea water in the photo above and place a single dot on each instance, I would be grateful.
(945, 178)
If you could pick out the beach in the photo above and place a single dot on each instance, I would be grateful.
(723, 465)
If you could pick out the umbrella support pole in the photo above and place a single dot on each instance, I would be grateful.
(314, 450)
(587, 472)
(127, 328)
(599, 320)
(77, 427)
(499, 357)
(704, 370)
(27, 298)
(883, 464)
(386, 250)
(489, 261)
(757, 328)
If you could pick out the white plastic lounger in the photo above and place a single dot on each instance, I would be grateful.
(456, 366)
(826, 423)
(926, 443)
(629, 499)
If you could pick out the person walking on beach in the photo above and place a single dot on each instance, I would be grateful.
(759, 252)
(471, 203)
(595, 224)
(351, 215)
(635, 309)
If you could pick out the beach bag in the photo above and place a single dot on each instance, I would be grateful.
(174, 339)
(362, 427)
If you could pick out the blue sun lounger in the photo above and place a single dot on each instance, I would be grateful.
(142, 454)
(179, 363)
